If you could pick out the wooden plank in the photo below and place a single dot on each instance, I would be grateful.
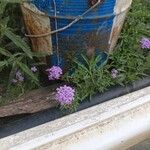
(31, 102)
(37, 23)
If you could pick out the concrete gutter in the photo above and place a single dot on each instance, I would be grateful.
(114, 125)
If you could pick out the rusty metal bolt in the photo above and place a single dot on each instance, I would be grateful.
(92, 2)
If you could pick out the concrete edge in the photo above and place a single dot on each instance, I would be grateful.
(72, 125)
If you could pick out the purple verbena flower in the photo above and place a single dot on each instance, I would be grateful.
(65, 95)
(14, 81)
(21, 79)
(34, 69)
(54, 73)
(114, 73)
(19, 76)
(145, 43)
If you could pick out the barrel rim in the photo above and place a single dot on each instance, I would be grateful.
(74, 17)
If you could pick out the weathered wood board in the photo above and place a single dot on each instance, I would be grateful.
(29, 103)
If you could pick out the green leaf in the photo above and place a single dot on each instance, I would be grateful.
(16, 1)
(39, 64)
(5, 52)
(3, 63)
(80, 65)
(3, 4)
(17, 40)
(86, 59)
(4, 21)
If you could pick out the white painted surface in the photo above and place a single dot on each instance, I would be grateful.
(120, 11)
(117, 124)
(121, 6)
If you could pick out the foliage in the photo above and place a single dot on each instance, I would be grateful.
(129, 57)
(88, 77)
(15, 53)
(131, 61)
(13, 59)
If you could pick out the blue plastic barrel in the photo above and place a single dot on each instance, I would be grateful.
(96, 31)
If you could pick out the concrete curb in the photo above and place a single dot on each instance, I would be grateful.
(116, 124)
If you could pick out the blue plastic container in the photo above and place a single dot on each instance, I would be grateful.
(91, 33)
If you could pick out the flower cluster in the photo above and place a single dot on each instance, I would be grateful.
(34, 69)
(18, 77)
(145, 43)
(54, 73)
(65, 95)
(114, 73)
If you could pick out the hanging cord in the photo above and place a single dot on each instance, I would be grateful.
(56, 28)
(69, 25)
